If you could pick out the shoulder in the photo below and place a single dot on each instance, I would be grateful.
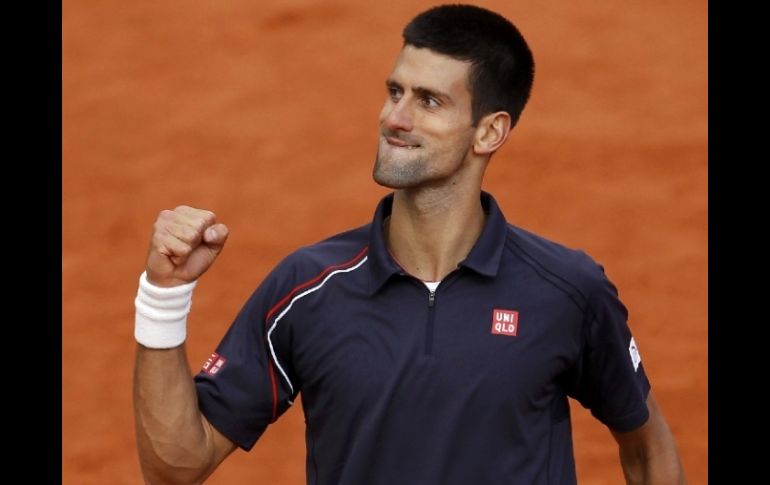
(304, 267)
(336, 252)
(571, 270)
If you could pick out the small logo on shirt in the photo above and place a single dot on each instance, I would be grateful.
(505, 322)
(214, 364)
(634, 351)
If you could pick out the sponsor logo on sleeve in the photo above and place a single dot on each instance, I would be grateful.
(634, 351)
(214, 364)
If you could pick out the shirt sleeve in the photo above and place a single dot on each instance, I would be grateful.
(240, 389)
(610, 379)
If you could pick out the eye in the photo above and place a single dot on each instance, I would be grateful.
(430, 102)
(394, 93)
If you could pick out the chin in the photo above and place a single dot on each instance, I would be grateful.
(395, 173)
(385, 180)
(398, 180)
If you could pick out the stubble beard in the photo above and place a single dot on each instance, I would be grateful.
(399, 174)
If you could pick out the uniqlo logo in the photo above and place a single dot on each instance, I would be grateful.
(213, 364)
(505, 322)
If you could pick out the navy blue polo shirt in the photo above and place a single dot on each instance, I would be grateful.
(401, 385)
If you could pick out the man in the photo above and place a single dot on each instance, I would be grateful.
(436, 345)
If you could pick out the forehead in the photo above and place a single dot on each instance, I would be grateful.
(427, 69)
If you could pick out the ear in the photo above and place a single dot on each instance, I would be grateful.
(491, 133)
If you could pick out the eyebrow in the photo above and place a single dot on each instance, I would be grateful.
(422, 91)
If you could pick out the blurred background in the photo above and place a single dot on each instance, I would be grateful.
(266, 113)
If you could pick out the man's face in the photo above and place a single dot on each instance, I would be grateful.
(425, 124)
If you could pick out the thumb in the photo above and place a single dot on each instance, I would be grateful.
(215, 236)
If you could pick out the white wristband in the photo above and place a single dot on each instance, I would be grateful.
(161, 314)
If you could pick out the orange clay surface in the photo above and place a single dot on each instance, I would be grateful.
(266, 113)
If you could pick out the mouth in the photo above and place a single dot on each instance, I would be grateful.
(395, 142)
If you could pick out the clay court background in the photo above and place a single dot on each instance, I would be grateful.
(265, 112)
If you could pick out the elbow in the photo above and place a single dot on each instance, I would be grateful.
(172, 464)
(169, 475)
(653, 465)
(161, 473)
(658, 470)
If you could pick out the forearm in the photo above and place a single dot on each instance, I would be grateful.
(172, 439)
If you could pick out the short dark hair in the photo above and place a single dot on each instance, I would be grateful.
(502, 67)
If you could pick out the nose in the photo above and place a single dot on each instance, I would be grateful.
(396, 116)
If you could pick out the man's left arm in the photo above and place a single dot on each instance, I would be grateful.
(648, 454)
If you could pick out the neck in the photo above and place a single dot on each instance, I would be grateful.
(430, 231)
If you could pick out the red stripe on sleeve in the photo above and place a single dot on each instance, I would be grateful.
(304, 285)
(271, 371)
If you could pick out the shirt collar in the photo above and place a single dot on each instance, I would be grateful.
(484, 257)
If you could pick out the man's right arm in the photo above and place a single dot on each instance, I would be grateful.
(176, 443)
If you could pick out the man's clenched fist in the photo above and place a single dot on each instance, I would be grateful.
(185, 242)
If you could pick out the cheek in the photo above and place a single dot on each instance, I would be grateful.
(453, 135)
(459, 142)
(449, 126)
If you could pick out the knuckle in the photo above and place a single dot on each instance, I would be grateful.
(165, 214)
(198, 225)
(203, 220)
(190, 233)
(158, 227)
